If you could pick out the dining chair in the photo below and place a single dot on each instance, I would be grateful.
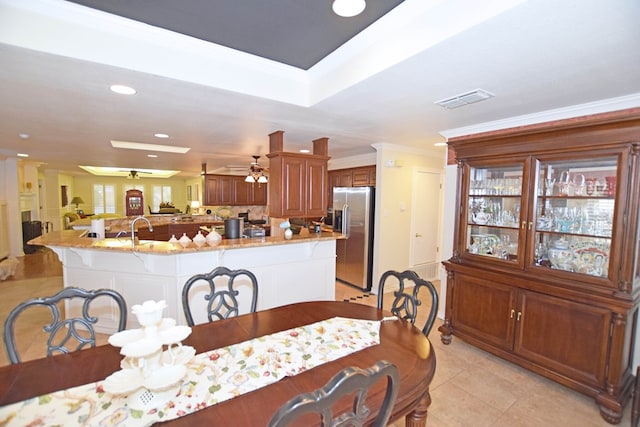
(352, 381)
(62, 332)
(406, 301)
(222, 300)
(635, 406)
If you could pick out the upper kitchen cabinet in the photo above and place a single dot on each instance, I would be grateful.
(229, 190)
(364, 176)
(545, 267)
(299, 182)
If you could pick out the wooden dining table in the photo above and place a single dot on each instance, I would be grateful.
(400, 343)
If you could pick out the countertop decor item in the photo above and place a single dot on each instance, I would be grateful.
(213, 237)
(199, 239)
(286, 225)
(184, 240)
(155, 359)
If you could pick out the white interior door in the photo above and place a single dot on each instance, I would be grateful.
(425, 222)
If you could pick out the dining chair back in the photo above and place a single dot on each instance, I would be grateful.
(222, 293)
(353, 382)
(64, 331)
(407, 296)
(635, 406)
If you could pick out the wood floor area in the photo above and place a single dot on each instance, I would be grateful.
(471, 387)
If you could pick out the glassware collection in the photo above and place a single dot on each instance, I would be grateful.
(494, 212)
(573, 208)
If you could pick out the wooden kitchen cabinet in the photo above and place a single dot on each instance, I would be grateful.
(230, 190)
(364, 176)
(218, 190)
(545, 267)
(298, 182)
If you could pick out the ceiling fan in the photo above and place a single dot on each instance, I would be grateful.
(256, 172)
(134, 174)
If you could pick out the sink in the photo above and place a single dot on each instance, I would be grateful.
(157, 245)
(126, 243)
(112, 243)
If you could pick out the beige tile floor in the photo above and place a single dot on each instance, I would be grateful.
(474, 388)
(470, 388)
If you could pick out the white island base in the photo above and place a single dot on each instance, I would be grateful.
(298, 271)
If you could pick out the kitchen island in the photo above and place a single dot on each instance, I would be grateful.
(288, 271)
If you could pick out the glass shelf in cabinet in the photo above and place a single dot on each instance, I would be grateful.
(508, 226)
(575, 234)
(556, 197)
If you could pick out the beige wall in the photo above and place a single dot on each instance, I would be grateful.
(394, 190)
(83, 187)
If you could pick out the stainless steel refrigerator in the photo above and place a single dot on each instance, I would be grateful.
(353, 216)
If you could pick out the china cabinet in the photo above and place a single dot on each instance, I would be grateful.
(544, 271)
(134, 203)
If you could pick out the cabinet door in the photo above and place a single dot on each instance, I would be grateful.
(345, 178)
(242, 191)
(293, 186)
(316, 187)
(259, 194)
(361, 177)
(568, 337)
(484, 310)
(495, 210)
(334, 179)
(225, 188)
(372, 176)
(575, 214)
(210, 195)
(218, 190)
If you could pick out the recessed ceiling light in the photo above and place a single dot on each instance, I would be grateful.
(440, 144)
(149, 147)
(348, 8)
(23, 135)
(153, 156)
(304, 150)
(122, 90)
(23, 155)
(161, 135)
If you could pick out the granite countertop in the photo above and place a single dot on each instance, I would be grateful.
(124, 223)
(77, 239)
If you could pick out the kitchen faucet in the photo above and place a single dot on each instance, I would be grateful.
(133, 229)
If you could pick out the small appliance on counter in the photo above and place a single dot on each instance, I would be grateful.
(254, 231)
(232, 227)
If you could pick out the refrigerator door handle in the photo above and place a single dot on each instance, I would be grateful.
(345, 220)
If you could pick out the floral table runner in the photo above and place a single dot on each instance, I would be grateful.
(212, 377)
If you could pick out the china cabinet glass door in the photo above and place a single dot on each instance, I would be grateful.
(574, 215)
(494, 211)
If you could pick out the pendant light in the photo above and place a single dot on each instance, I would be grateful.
(256, 172)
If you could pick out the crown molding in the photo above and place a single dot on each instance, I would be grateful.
(596, 107)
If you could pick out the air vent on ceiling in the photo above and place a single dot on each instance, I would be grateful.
(465, 99)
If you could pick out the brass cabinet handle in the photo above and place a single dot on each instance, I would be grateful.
(530, 225)
(512, 313)
(418, 235)
(519, 316)
(524, 225)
